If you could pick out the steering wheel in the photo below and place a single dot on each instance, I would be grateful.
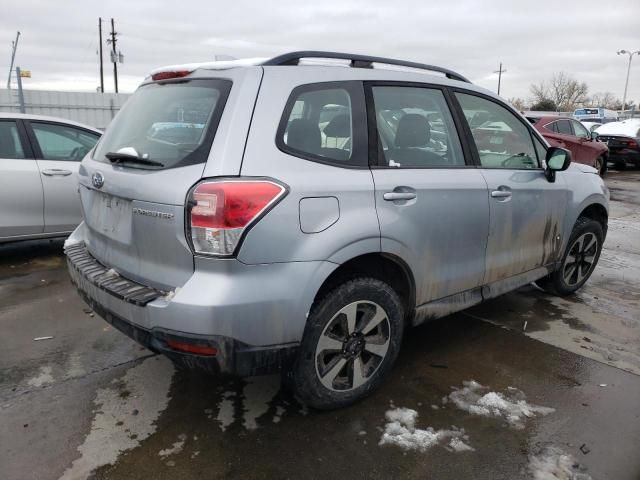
(523, 158)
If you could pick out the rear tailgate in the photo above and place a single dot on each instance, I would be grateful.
(134, 214)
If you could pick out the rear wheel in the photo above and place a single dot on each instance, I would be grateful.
(578, 261)
(351, 341)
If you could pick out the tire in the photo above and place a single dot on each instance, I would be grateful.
(344, 329)
(569, 278)
(601, 166)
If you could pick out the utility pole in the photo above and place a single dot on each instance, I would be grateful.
(14, 46)
(626, 84)
(114, 55)
(101, 66)
(20, 93)
(500, 72)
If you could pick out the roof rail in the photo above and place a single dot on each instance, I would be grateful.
(359, 61)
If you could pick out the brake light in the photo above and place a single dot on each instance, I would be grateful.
(632, 144)
(169, 75)
(220, 212)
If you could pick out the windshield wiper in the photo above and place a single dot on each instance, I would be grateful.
(125, 157)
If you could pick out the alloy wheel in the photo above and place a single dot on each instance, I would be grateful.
(352, 346)
(581, 259)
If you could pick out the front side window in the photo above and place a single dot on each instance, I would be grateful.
(10, 146)
(579, 129)
(62, 142)
(167, 124)
(501, 138)
(319, 125)
(415, 128)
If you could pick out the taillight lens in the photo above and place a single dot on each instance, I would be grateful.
(220, 211)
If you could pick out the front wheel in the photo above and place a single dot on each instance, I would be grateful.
(579, 259)
(351, 341)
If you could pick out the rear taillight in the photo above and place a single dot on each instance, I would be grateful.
(219, 212)
(632, 144)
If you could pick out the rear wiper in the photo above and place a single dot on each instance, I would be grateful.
(125, 157)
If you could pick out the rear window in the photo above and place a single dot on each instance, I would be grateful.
(167, 123)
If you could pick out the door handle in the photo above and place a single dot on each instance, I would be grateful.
(51, 172)
(500, 194)
(392, 196)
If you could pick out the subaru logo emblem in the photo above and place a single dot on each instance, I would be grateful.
(97, 179)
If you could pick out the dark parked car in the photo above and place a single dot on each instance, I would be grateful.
(623, 139)
(571, 134)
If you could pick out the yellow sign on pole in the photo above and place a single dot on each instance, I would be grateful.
(25, 73)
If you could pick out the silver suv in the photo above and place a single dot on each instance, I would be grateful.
(298, 214)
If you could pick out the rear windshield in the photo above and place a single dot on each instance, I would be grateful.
(166, 124)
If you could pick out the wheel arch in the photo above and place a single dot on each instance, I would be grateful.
(597, 212)
(385, 267)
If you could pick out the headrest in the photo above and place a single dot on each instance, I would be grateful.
(304, 135)
(339, 126)
(413, 130)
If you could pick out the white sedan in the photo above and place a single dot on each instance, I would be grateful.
(39, 160)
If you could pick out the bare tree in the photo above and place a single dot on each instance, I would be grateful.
(564, 91)
(518, 103)
(605, 99)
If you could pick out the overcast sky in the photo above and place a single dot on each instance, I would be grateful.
(533, 39)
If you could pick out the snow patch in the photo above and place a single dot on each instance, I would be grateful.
(458, 445)
(401, 431)
(44, 377)
(511, 405)
(554, 464)
(175, 448)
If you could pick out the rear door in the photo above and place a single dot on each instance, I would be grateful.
(526, 210)
(431, 200)
(587, 152)
(21, 203)
(59, 148)
(134, 212)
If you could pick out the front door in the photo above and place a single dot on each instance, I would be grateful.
(59, 150)
(526, 209)
(21, 202)
(431, 203)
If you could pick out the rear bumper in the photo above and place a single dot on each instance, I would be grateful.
(619, 156)
(254, 315)
(233, 357)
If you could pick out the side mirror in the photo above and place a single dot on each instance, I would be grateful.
(594, 136)
(558, 160)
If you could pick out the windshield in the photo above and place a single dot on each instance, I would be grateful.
(167, 124)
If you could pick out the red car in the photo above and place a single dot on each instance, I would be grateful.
(571, 134)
